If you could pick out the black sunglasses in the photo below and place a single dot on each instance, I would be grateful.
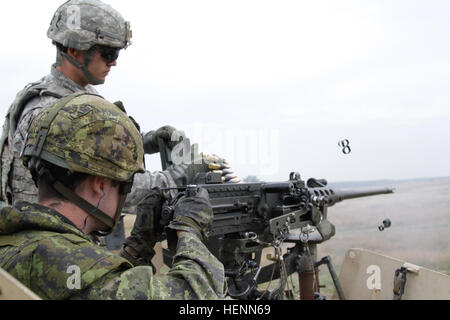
(109, 54)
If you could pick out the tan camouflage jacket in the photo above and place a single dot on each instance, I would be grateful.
(49, 255)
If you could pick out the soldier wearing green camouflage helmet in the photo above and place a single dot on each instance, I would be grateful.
(83, 153)
(88, 35)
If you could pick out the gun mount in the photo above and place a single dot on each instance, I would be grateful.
(249, 217)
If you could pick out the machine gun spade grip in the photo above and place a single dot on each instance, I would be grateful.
(165, 153)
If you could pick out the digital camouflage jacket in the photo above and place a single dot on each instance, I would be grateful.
(16, 181)
(48, 254)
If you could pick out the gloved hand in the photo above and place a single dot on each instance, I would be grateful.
(145, 233)
(192, 214)
(166, 133)
(185, 173)
(216, 164)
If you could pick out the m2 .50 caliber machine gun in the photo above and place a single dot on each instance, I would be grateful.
(249, 217)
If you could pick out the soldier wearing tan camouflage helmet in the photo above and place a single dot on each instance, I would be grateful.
(84, 152)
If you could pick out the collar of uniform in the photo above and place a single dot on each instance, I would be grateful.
(33, 216)
(68, 83)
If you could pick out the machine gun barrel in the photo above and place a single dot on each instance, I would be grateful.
(334, 196)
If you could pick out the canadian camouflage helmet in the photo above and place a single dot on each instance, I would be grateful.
(82, 24)
(85, 133)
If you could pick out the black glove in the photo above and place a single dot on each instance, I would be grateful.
(192, 214)
(145, 233)
(166, 133)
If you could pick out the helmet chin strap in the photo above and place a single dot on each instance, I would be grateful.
(84, 67)
(87, 207)
(116, 218)
(83, 204)
(90, 213)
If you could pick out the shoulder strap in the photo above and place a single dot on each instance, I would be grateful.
(31, 91)
(14, 113)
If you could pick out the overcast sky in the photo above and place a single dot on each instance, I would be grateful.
(273, 86)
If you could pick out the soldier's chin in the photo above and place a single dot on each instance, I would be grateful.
(100, 226)
(104, 228)
(98, 80)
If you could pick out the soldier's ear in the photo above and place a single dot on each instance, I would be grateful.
(76, 54)
(99, 184)
(72, 52)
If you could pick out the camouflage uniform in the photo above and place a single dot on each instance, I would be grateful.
(87, 25)
(17, 179)
(83, 133)
(38, 246)
(17, 183)
(81, 25)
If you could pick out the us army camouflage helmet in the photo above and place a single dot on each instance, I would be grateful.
(85, 133)
(82, 24)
